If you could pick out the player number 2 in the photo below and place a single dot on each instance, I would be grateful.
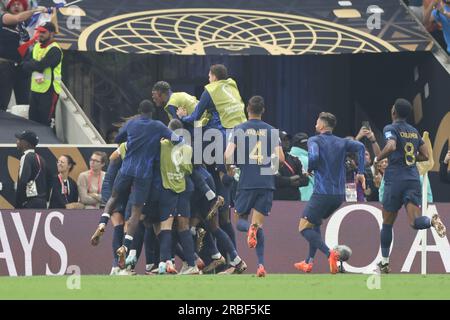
(256, 153)
(410, 157)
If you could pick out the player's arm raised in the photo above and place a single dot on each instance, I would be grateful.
(229, 153)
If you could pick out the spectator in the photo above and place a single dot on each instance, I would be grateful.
(12, 33)
(290, 175)
(416, 7)
(32, 185)
(439, 11)
(379, 168)
(371, 191)
(299, 149)
(444, 171)
(90, 182)
(351, 167)
(64, 190)
(45, 64)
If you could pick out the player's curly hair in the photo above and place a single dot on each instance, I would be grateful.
(162, 87)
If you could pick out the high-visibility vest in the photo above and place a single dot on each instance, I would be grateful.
(39, 54)
(228, 102)
(175, 164)
(188, 102)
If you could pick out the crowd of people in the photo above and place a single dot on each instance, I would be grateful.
(37, 188)
(171, 187)
(31, 68)
(435, 16)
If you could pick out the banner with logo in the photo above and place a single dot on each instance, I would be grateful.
(49, 242)
(10, 159)
(252, 27)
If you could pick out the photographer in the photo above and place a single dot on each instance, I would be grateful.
(32, 185)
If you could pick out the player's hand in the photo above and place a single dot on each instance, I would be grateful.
(361, 134)
(370, 135)
(447, 157)
(294, 180)
(181, 112)
(361, 178)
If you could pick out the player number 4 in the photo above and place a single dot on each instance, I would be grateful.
(256, 153)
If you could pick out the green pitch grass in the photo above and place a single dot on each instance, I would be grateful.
(275, 286)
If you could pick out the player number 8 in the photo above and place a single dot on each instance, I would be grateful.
(410, 157)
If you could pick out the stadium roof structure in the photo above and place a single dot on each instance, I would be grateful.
(232, 27)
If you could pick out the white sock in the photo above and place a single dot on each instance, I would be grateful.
(210, 195)
(216, 256)
(132, 252)
(236, 261)
(384, 260)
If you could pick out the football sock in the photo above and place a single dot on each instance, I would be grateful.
(385, 239)
(128, 241)
(226, 242)
(210, 247)
(165, 240)
(117, 241)
(260, 246)
(188, 246)
(138, 239)
(315, 240)
(312, 248)
(149, 241)
(422, 222)
(243, 225)
(104, 218)
(228, 228)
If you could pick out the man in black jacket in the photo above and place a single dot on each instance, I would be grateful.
(444, 172)
(290, 174)
(32, 184)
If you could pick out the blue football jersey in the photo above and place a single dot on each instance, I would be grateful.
(255, 143)
(402, 162)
